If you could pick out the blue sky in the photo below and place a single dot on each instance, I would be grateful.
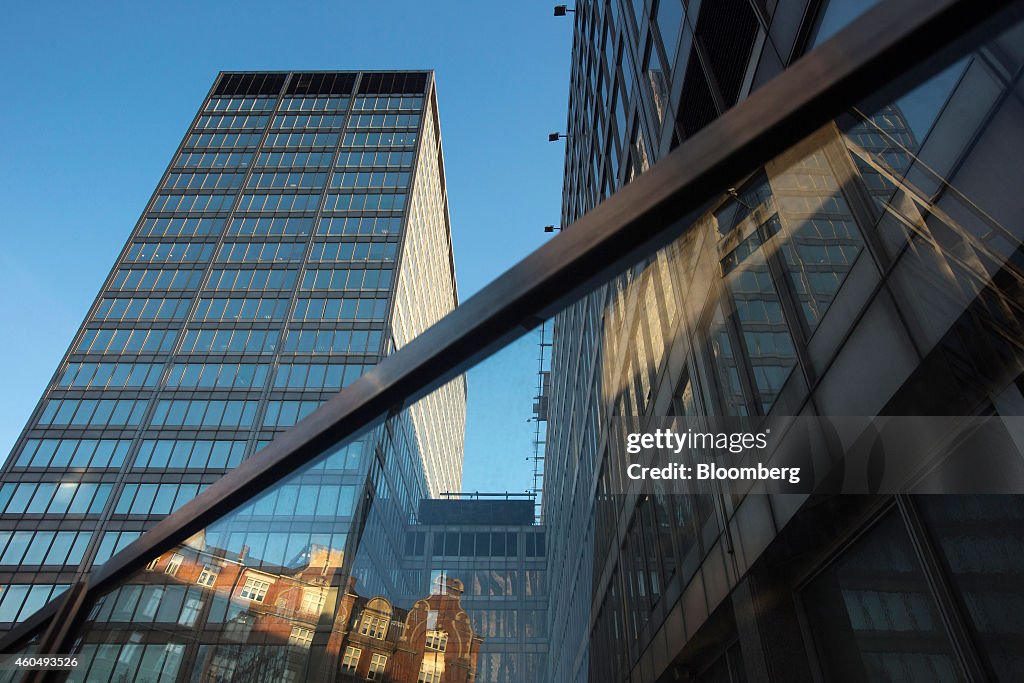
(98, 96)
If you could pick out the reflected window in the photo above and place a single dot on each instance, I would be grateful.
(301, 636)
(438, 582)
(669, 19)
(313, 601)
(978, 539)
(350, 661)
(823, 238)
(254, 589)
(209, 575)
(173, 564)
(374, 625)
(872, 615)
(430, 671)
(437, 641)
(378, 663)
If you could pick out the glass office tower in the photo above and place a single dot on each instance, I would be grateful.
(299, 234)
(873, 269)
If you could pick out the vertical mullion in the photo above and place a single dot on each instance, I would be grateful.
(950, 608)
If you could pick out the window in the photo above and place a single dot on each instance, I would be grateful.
(174, 227)
(534, 545)
(362, 202)
(203, 413)
(209, 575)
(333, 341)
(192, 202)
(437, 641)
(54, 498)
(112, 375)
(359, 225)
(340, 308)
(18, 601)
(670, 24)
(317, 375)
(213, 160)
(190, 611)
(254, 590)
(218, 375)
(438, 579)
(127, 341)
(60, 454)
(272, 225)
(301, 636)
(343, 278)
(353, 251)
(430, 671)
(293, 179)
(260, 252)
(230, 341)
(312, 601)
(92, 412)
(250, 308)
(156, 278)
(174, 564)
(287, 413)
(315, 121)
(874, 604)
(374, 625)
(155, 499)
(250, 279)
(351, 659)
(202, 454)
(42, 547)
(241, 121)
(965, 529)
(377, 664)
(351, 179)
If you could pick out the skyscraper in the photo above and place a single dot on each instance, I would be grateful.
(299, 234)
(805, 288)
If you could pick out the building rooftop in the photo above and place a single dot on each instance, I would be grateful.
(477, 511)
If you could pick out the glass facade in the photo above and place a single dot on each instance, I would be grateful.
(497, 555)
(869, 270)
(299, 235)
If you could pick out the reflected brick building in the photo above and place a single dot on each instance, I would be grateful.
(433, 642)
(474, 613)
(251, 622)
(492, 547)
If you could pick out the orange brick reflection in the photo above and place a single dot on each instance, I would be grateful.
(253, 619)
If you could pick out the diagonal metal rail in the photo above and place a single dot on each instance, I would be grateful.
(887, 46)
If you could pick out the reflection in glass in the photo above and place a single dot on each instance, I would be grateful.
(873, 617)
